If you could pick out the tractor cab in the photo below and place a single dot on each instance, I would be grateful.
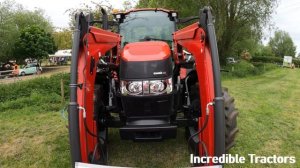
(146, 74)
(146, 25)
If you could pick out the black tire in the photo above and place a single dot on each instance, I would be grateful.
(231, 114)
(23, 74)
(104, 149)
(100, 114)
(101, 157)
(230, 111)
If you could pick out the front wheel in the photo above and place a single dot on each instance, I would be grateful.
(23, 74)
(230, 111)
(231, 114)
(101, 115)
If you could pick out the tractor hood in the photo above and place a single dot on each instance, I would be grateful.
(146, 51)
(143, 60)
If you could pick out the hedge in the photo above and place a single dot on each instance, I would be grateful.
(43, 85)
(245, 68)
(267, 59)
(276, 60)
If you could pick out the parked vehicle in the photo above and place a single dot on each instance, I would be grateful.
(30, 69)
(288, 62)
(8, 70)
(231, 60)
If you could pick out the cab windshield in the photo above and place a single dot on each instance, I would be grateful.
(147, 26)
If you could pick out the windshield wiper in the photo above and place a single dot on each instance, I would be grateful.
(148, 38)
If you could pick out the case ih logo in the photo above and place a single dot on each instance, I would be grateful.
(159, 73)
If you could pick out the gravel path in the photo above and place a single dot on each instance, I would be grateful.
(47, 71)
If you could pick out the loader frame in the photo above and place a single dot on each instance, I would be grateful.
(91, 43)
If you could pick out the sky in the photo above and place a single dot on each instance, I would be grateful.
(286, 16)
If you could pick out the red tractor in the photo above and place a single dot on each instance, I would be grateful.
(148, 79)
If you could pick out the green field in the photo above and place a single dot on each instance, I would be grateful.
(33, 132)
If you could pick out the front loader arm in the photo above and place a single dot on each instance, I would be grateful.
(89, 45)
(200, 40)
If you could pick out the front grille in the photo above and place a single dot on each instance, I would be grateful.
(148, 106)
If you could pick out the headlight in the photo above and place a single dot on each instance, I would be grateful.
(135, 87)
(157, 86)
(152, 87)
(131, 88)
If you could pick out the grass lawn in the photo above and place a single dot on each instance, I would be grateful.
(33, 132)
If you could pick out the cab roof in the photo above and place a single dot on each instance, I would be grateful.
(145, 9)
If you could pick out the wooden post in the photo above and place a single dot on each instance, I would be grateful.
(62, 90)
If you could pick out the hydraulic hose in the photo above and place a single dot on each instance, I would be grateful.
(202, 128)
(86, 127)
(92, 134)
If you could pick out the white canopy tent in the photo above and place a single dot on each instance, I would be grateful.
(60, 57)
(62, 53)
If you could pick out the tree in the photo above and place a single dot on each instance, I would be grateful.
(235, 20)
(263, 50)
(127, 5)
(34, 43)
(94, 9)
(24, 18)
(267, 51)
(282, 44)
(13, 19)
(8, 30)
(251, 45)
(63, 39)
